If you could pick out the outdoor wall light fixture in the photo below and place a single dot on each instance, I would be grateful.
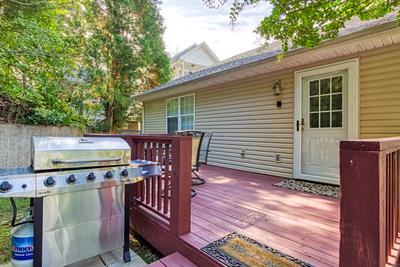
(277, 87)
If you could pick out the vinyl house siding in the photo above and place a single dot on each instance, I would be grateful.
(380, 93)
(243, 114)
(154, 117)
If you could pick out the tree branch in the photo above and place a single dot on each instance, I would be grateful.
(28, 4)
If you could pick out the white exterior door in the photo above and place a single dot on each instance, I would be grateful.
(322, 119)
(324, 123)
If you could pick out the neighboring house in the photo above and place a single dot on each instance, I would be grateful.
(193, 58)
(346, 88)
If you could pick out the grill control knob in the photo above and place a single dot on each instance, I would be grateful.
(72, 179)
(91, 177)
(50, 181)
(108, 174)
(5, 187)
(124, 173)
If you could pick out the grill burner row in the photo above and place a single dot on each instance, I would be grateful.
(24, 182)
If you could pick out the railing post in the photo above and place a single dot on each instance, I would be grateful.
(363, 205)
(180, 211)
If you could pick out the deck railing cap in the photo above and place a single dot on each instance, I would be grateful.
(149, 137)
(380, 144)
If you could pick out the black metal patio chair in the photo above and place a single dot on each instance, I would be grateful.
(202, 158)
(200, 149)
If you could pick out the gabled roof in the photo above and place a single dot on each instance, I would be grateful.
(183, 52)
(354, 27)
(194, 47)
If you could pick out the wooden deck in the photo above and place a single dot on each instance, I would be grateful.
(302, 225)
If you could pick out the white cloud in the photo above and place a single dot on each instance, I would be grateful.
(189, 22)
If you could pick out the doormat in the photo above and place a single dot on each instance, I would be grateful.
(309, 187)
(235, 250)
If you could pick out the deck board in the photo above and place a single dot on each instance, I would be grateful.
(303, 225)
(177, 260)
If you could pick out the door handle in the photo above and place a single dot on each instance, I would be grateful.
(298, 123)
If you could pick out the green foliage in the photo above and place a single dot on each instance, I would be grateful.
(307, 23)
(35, 55)
(78, 63)
(124, 55)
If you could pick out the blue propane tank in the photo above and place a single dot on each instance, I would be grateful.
(22, 244)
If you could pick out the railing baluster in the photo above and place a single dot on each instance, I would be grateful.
(148, 151)
(395, 197)
(166, 178)
(153, 178)
(388, 204)
(159, 177)
(398, 192)
(140, 148)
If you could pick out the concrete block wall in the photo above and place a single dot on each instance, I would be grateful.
(15, 141)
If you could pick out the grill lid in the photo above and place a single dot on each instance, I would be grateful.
(55, 153)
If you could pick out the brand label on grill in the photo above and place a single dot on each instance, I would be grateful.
(22, 248)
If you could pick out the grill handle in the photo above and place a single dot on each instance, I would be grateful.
(78, 161)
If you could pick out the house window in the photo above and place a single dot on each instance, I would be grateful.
(180, 114)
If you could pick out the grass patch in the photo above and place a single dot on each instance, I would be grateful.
(148, 253)
(5, 224)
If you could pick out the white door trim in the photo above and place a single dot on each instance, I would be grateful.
(352, 109)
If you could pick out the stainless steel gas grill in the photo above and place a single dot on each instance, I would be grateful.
(78, 195)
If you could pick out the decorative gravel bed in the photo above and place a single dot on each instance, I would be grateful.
(144, 249)
(309, 187)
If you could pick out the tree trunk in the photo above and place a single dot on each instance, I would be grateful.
(110, 118)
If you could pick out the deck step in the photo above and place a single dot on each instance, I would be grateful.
(174, 260)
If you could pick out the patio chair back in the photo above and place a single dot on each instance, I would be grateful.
(205, 147)
(197, 139)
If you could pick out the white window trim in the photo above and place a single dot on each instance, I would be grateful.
(179, 111)
(352, 66)
(142, 126)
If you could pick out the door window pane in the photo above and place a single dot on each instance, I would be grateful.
(172, 125)
(325, 103)
(314, 120)
(314, 87)
(337, 119)
(337, 102)
(325, 86)
(325, 119)
(314, 103)
(337, 84)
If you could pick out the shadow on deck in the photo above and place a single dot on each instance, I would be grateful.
(299, 224)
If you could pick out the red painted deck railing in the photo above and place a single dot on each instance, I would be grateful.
(168, 196)
(370, 202)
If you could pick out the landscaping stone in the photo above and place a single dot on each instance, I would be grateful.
(310, 187)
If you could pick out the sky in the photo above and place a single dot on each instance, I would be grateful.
(189, 21)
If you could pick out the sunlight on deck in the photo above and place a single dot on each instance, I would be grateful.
(300, 224)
